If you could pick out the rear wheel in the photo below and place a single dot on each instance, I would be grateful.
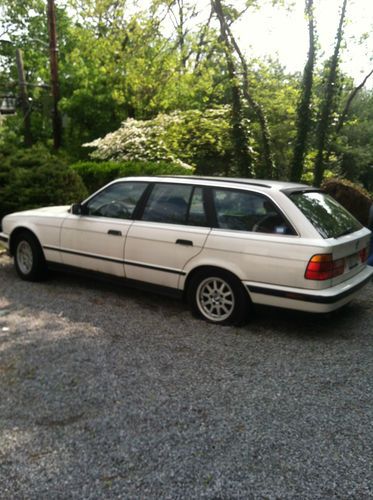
(218, 297)
(29, 259)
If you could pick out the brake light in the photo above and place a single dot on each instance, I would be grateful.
(363, 254)
(323, 267)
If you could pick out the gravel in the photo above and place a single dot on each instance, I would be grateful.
(107, 392)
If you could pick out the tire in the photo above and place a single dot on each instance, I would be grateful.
(29, 259)
(218, 297)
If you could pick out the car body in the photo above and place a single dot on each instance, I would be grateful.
(224, 243)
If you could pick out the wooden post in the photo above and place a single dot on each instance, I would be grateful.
(24, 99)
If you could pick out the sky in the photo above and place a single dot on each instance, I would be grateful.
(274, 31)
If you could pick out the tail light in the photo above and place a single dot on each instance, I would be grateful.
(364, 254)
(323, 267)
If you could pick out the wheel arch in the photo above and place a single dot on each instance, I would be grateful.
(208, 268)
(16, 232)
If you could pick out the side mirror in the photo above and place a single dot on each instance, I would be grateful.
(76, 209)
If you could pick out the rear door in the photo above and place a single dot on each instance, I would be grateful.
(172, 230)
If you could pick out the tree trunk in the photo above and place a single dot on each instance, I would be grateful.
(27, 137)
(269, 170)
(243, 158)
(326, 109)
(56, 119)
(304, 105)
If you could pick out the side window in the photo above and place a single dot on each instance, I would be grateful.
(197, 213)
(168, 203)
(245, 211)
(117, 201)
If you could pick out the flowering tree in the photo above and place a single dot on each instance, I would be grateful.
(186, 138)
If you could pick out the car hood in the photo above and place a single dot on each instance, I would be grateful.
(44, 211)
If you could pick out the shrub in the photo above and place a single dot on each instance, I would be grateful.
(352, 196)
(97, 174)
(33, 178)
(185, 138)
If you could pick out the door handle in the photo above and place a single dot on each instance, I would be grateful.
(113, 232)
(187, 243)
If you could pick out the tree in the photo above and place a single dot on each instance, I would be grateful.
(242, 156)
(277, 91)
(26, 27)
(303, 123)
(198, 138)
(351, 97)
(353, 146)
(323, 125)
(269, 168)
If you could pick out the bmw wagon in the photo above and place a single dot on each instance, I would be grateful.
(223, 244)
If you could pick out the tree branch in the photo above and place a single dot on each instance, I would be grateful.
(351, 97)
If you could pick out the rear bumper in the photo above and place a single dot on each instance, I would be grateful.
(319, 301)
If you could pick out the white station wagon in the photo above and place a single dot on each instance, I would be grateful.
(222, 243)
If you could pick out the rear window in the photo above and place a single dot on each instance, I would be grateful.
(327, 216)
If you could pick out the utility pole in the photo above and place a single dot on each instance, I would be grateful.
(56, 119)
(24, 99)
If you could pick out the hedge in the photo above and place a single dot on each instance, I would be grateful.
(35, 178)
(97, 174)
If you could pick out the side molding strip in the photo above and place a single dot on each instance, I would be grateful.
(117, 261)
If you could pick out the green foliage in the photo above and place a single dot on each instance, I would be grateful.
(354, 145)
(97, 174)
(33, 178)
(277, 91)
(120, 62)
(129, 69)
(114, 63)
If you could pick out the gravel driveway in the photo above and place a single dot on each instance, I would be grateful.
(106, 392)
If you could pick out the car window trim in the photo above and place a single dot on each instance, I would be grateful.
(139, 211)
(210, 207)
(264, 195)
(140, 207)
(84, 204)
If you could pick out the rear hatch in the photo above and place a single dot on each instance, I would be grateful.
(352, 250)
(348, 241)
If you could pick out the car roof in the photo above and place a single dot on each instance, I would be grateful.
(206, 180)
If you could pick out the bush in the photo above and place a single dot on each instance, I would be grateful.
(33, 178)
(186, 138)
(352, 196)
(97, 174)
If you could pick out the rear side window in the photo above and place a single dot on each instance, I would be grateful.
(247, 211)
(176, 204)
(168, 203)
(327, 216)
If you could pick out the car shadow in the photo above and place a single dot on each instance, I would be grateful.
(262, 320)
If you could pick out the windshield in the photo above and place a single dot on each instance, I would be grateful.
(327, 216)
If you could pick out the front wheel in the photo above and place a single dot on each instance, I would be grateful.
(218, 297)
(29, 259)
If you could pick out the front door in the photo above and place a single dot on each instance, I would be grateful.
(96, 239)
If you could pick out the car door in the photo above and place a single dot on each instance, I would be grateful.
(172, 230)
(95, 239)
